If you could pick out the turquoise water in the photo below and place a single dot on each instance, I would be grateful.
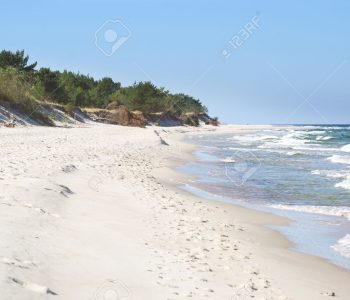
(299, 172)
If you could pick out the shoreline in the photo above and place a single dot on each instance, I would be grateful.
(278, 227)
(88, 213)
(256, 216)
(294, 216)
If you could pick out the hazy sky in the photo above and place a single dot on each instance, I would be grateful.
(248, 61)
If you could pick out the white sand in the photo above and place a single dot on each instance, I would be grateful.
(94, 213)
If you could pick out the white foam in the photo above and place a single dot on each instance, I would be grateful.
(316, 132)
(317, 172)
(292, 140)
(228, 160)
(344, 184)
(289, 140)
(293, 153)
(345, 148)
(323, 138)
(331, 173)
(340, 159)
(339, 211)
(343, 246)
(336, 127)
(252, 138)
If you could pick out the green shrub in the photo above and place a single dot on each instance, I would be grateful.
(19, 81)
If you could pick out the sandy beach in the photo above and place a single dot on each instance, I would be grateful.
(95, 213)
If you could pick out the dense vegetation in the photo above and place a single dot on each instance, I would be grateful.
(20, 82)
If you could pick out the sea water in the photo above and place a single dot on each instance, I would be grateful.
(300, 172)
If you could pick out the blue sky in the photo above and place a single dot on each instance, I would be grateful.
(287, 63)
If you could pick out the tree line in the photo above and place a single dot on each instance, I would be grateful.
(21, 81)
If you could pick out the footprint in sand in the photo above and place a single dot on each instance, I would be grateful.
(69, 168)
(242, 293)
(23, 264)
(33, 286)
(39, 209)
(65, 191)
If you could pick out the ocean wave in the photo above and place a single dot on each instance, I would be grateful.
(345, 148)
(316, 132)
(344, 184)
(293, 140)
(301, 147)
(252, 138)
(316, 148)
(240, 149)
(228, 160)
(323, 138)
(339, 159)
(294, 153)
(339, 211)
(343, 246)
(289, 140)
(331, 173)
